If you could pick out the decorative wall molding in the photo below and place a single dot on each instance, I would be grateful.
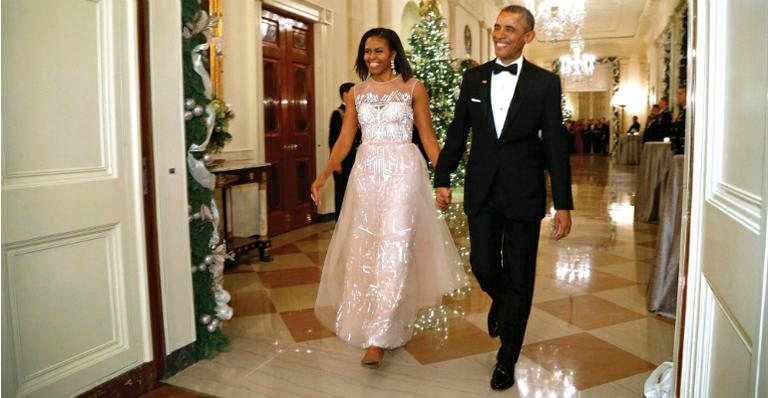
(303, 9)
(742, 206)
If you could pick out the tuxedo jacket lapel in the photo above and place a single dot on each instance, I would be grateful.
(523, 82)
(486, 84)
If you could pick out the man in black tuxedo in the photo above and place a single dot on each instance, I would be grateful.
(341, 174)
(513, 110)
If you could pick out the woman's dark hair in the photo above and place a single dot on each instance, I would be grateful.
(401, 63)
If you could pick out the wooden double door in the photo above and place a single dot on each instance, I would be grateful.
(288, 119)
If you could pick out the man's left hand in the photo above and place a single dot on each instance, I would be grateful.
(562, 224)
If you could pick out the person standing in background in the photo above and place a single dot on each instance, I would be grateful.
(341, 173)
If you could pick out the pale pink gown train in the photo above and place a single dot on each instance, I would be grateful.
(390, 254)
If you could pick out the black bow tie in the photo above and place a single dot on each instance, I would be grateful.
(509, 68)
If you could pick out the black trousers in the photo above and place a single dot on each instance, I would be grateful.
(339, 187)
(503, 258)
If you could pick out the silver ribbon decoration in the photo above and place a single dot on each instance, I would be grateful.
(197, 167)
(197, 65)
(215, 236)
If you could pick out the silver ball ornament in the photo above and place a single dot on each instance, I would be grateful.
(208, 259)
(211, 327)
(224, 312)
(222, 296)
(187, 115)
(189, 103)
(207, 158)
(205, 319)
(202, 266)
(198, 110)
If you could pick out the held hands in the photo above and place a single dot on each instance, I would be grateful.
(315, 189)
(443, 198)
(561, 226)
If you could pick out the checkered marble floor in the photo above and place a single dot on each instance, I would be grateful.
(589, 334)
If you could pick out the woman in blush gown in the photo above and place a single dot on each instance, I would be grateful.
(390, 254)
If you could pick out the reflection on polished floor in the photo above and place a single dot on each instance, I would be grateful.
(589, 334)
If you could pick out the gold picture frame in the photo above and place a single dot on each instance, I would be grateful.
(216, 60)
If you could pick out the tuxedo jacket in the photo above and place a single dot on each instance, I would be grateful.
(532, 140)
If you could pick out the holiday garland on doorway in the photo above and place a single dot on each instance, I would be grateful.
(206, 124)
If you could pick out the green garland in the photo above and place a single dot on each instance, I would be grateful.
(209, 343)
(430, 57)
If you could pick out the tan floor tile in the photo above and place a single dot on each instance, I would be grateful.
(630, 297)
(285, 261)
(638, 252)
(589, 360)
(548, 289)
(464, 339)
(637, 271)
(313, 245)
(304, 326)
(577, 279)
(242, 282)
(630, 387)
(318, 258)
(167, 391)
(239, 269)
(251, 303)
(544, 326)
(476, 301)
(651, 340)
(297, 234)
(588, 312)
(312, 237)
(290, 277)
(266, 326)
(293, 298)
(284, 249)
(669, 321)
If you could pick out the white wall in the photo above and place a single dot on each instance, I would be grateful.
(171, 188)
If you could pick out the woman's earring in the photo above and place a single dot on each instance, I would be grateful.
(392, 64)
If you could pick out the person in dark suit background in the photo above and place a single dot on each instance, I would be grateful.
(341, 174)
(678, 127)
(513, 109)
(651, 125)
(661, 124)
(635, 127)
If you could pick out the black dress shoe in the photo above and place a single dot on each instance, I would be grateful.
(493, 323)
(503, 377)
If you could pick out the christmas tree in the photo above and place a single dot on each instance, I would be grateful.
(431, 60)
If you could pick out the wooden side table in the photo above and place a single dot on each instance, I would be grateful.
(238, 172)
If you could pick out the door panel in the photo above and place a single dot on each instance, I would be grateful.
(289, 119)
(74, 297)
(725, 324)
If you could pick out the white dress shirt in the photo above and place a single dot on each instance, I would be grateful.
(502, 90)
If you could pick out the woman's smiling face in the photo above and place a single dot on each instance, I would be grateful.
(378, 56)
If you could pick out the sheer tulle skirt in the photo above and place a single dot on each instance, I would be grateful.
(390, 254)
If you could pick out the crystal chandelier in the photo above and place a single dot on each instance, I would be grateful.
(577, 65)
(556, 19)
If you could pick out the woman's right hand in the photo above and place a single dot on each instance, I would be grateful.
(315, 189)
